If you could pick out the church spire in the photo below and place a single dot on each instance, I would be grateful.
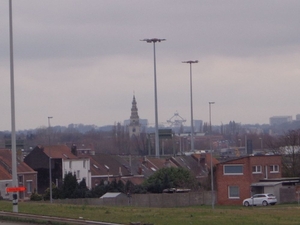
(134, 126)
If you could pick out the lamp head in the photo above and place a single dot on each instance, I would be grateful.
(149, 40)
(190, 61)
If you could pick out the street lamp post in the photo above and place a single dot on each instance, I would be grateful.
(211, 164)
(50, 169)
(261, 143)
(191, 94)
(180, 145)
(13, 123)
(154, 40)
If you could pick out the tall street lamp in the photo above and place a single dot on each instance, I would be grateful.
(13, 123)
(261, 143)
(211, 164)
(154, 40)
(50, 169)
(191, 93)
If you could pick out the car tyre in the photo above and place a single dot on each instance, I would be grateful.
(264, 203)
(246, 204)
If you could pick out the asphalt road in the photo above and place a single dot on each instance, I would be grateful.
(11, 223)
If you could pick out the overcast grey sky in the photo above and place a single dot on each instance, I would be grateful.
(80, 61)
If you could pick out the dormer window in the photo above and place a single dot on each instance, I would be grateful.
(96, 166)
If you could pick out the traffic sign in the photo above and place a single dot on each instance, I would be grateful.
(15, 189)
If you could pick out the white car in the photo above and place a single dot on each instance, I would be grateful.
(261, 199)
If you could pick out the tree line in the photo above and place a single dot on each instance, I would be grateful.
(163, 179)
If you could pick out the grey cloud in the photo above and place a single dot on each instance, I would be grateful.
(91, 52)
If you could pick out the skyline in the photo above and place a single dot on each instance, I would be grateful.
(81, 62)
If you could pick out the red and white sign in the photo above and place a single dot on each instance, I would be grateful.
(15, 189)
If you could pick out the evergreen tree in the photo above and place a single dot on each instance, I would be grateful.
(166, 178)
(81, 190)
(69, 186)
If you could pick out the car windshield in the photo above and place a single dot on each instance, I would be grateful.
(271, 195)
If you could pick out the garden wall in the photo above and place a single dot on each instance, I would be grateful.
(147, 200)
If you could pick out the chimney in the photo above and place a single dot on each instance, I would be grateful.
(140, 170)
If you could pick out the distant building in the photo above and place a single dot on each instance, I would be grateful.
(277, 120)
(134, 125)
(198, 126)
(143, 123)
(298, 117)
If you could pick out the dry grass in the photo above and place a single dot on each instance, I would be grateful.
(221, 215)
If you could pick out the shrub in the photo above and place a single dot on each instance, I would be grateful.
(36, 197)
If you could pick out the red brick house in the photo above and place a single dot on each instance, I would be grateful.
(235, 177)
(27, 177)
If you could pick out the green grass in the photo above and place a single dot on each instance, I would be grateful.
(221, 215)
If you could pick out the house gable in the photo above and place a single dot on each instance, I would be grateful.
(37, 159)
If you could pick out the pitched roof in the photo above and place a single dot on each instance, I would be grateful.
(194, 164)
(4, 175)
(158, 163)
(208, 160)
(97, 168)
(58, 152)
(6, 164)
(102, 164)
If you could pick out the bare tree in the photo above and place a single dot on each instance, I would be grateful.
(287, 145)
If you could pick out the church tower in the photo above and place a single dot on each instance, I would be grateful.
(134, 125)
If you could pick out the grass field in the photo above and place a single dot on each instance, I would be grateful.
(221, 215)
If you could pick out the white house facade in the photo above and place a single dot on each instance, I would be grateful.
(80, 167)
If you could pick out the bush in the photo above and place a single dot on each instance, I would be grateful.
(166, 178)
(36, 197)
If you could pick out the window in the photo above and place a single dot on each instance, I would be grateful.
(78, 174)
(233, 169)
(70, 164)
(233, 192)
(256, 169)
(83, 163)
(274, 169)
(29, 186)
(20, 179)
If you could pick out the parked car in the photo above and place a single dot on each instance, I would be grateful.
(261, 199)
